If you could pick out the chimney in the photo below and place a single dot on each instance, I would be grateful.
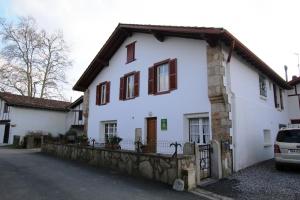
(286, 75)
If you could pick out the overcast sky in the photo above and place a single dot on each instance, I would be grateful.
(270, 28)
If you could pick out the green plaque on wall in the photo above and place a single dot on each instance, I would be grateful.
(164, 124)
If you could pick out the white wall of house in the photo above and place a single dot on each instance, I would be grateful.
(293, 103)
(24, 120)
(190, 97)
(72, 117)
(252, 114)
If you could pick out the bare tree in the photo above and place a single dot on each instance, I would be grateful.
(33, 61)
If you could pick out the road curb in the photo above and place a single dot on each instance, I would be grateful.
(209, 195)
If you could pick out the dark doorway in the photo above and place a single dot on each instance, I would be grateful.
(151, 135)
(6, 133)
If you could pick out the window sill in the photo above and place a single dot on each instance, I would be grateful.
(130, 61)
(263, 98)
(164, 92)
(129, 98)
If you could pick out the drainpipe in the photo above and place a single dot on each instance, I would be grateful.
(233, 106)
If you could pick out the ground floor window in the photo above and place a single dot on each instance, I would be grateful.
(199, 130)
(110, 128)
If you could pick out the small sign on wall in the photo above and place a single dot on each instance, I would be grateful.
(164, 124)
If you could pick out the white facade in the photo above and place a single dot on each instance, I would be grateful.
(294, 103)
(190, 97)
(255, 118)
(253, 114)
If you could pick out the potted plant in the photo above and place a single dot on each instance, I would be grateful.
(112, 142)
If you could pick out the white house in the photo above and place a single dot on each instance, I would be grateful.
(21, 114)
(74, 116)
(185, 84)
(294, 100)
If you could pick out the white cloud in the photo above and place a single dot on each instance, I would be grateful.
(268, 28)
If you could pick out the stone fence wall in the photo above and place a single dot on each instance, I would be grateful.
(163, 168)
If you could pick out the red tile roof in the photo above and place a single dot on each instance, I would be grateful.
(211, 35)
(32, 102)
(294, 81)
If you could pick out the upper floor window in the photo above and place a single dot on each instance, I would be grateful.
(281, 99)
(162, 77)
(5, 109)
(275, 96)
(130, 52)
(103, 93)
(129, 86)
(80, 115)
(262, 86)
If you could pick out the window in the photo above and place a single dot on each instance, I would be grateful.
(110, 128)
(162, 77)
(267, 138)
(5, 109)
(80, 115)
(129, 86)
(130, 52)
(288, 136)
(262, 86)
(275, 96)
(199, 130)
(103, 93)
(281, 99)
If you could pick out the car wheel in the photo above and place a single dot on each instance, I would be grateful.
(279, 166)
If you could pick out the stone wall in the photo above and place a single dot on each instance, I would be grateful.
(220, 108)
(163, 168)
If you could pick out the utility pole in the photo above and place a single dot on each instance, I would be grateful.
(297, 54)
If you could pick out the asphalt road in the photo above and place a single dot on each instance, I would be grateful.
(31, 175)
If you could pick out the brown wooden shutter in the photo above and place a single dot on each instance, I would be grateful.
(122, 88)
(98, 88)
(151, 80)
(173, 74)
(107, 91)
(136, 84)
(275, 96)
(130, 52)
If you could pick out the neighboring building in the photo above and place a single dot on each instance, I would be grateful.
(294, 100)
(75, 118)
(185, 84)
(20, 115)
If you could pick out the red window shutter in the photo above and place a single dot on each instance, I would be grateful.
(107, 91)
(98, 88)
(173, 74)
(130, 52)
(151, 80)
(122, 88)
(136, 84)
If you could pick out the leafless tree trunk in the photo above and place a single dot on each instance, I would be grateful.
(33, 61)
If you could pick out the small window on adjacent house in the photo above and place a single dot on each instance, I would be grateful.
(130, 52)
(162, 77)
(199, 130)
(80, 115)
(103, 93)
(5, 110)
(129, 86)
(267, 138)
(262, 86)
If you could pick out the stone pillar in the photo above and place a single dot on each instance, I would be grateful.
(86, 111)
(220, 107)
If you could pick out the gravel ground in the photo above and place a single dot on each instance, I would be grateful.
(261, 181)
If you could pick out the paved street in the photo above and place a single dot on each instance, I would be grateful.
(31, 175)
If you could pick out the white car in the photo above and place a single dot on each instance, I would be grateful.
(287, 147)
